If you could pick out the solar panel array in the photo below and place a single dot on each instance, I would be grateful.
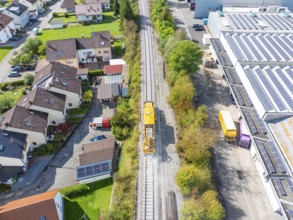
(276, 157)
(261, 124)
(279, 187)
(265, 157)
(290, 213)
(249, 121)
(261, 47)
(224, 59)
(290, 184)
(94, 169)
(243, 21)
(258, 89)
(277, 22)
(217, 45)
(238, 96)
(269, 88)
(232, 75)
(246, 96)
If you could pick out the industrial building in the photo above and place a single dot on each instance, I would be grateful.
(203, 7)
(255, 53)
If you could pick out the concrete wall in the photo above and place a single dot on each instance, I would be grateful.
(13, 162)
(203, 7)
(59, 203)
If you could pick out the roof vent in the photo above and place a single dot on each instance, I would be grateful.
(1, 147)
(42, 93)
(31, 113)
(220, 13)
(4, 134)
(252, 14)
(64, 83)
(102, 43)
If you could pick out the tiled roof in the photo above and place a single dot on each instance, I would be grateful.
(16, 8)
(108, 91)
(59, 76)
(102, 39)
(68, 4)
(31, 208)
(24, 119)
(41, 64)
(44, 98)
(12, 144)
(60, 49)
(89, 9)
(4, 20)
(97, 151)
(113, 69)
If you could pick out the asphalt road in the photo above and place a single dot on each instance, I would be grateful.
(43, 22)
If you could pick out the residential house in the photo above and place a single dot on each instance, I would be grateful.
(105, 3)
(46, 101)
(34, 6)
(68, 5)
(21, 120)
(97, 160)
(81, 51)
(89, 13)
(61, 79)
(19, 13)
(13, 154)
(63, 51)
(7, 28)
(107, 92)
(44, 206)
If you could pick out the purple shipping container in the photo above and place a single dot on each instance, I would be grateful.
(244, 137)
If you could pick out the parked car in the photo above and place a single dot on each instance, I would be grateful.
(14, 74)
(16, 68)
(97, 138)
(33, 19)
(198, 27)
(28, 68)
(14, 38)
(30, 23)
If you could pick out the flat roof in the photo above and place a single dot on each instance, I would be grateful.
(228, 119)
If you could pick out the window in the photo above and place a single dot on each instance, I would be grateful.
(89, 53)
(53, 122)
(106, 51)
(34, 143)
(99, 52)
(42, 217)
(70, 104)
(82, 59)
(84, 53)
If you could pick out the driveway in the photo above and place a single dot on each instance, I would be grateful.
(44, 20)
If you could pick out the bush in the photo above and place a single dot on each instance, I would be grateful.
(75, 191)
(55, 15)
(5, 104)
(4, 187)
(7, 86)
(96, 73)
(66, 15)
(28, 79)
(46, 149)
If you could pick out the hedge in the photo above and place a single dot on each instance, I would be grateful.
(75, 191)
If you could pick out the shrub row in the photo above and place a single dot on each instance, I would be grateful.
(75, 191)
(125, 124)
(4, 187)
(195, 140)
(7, 86)
(46, 149)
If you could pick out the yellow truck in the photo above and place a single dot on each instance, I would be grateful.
(228, 126)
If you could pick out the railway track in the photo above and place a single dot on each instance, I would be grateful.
(146, 205)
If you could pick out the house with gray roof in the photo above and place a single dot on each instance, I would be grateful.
(19, 13)
(34, 6)
(62, 79)
(13, 154)
(105, 3)
(46, 101)
(89, 13)
(80, 51)
(68, 5)
(21, 120)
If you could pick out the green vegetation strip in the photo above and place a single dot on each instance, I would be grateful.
(90, 200)
(110, 23)
(195, 139)
(4, 51)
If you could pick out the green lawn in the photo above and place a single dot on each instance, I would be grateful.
(78, 111)
(10, 96)
(110, 23)
(4, 51)
(118, 44)
(71, 18)
(90, 204)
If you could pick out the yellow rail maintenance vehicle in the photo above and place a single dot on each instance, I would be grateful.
(149, 144)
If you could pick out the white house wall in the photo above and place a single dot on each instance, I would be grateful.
(82, 55)
(19, 21)
(104, 52)
(71, 97)
(59, 204)
(214, 26)
(81, 18)
(32, 136)
(33, 7)
(53, 115)
(11, 162)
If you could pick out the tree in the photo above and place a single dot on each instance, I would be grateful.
(213, 208)
(116, 6)
(42, 50)
(25, 59)
(87, 96)
(28, 79)
(126, 12)
(190, 177)
(194, 145)
(15, 60)
(182, 94)
(168, 43)
(31, 46)
(185, 55)
(192, 210)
